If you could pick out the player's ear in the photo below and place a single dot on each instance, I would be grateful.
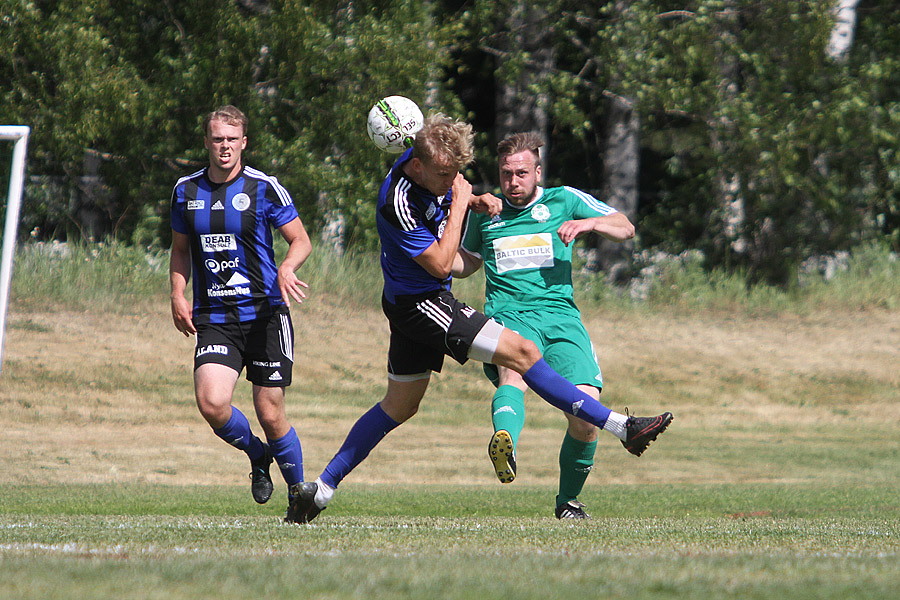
(244, 143)
(537, 172)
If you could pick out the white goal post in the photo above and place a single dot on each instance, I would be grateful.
(19, 135)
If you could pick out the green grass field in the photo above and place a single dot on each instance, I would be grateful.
(683, 541)
(780, 476)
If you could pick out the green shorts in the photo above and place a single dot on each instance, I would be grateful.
(561, 338)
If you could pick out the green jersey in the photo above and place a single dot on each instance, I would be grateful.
(526, 265)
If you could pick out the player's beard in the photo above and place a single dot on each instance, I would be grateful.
(521, 199)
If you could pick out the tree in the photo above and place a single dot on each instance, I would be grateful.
(127, 88)
(748, 88)
(317, 89)
(759, 139)
(77, 91)
(871, 100)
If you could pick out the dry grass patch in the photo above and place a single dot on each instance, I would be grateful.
(92, 398)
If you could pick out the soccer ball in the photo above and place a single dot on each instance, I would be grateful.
(393, 123)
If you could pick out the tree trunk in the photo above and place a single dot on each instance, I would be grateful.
(844, 27)
(86, 206)
(331, 235)
(518, 108)
(621, 165)
(621, 168)
(732, 208)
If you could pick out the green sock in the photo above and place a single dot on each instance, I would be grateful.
(508, 411)
(576, 459)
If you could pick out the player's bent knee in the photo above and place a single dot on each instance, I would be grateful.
(527, 350)
(215, 413)
(516, 352)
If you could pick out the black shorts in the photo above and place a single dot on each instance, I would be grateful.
(426, 327)
(265, 346)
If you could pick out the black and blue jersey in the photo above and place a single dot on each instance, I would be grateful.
(409, 220)
(230, 228)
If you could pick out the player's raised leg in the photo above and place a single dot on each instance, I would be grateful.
(522, 355)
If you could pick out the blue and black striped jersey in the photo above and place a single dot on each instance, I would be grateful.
(409, 220)
(235, 277)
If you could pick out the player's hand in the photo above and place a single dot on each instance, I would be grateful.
(290, 285)
(182, 311)
(570, 230)
(461, 192)
(486, 203)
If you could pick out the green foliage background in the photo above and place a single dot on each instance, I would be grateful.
(726, 91)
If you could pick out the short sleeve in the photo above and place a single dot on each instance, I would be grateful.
(177, 211)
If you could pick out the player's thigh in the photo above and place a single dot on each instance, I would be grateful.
(217, 364)
(515, 352)
(214, 381)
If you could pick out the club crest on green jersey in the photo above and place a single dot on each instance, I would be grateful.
(540, 213)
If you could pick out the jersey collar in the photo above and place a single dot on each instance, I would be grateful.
(538, 195)
(225, 183)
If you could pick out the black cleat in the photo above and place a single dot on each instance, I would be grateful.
(573, 509)
(260, 480)
(640, 431)
(501, 453)
(302, 505)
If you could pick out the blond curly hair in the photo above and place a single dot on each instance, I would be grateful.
(446, 141)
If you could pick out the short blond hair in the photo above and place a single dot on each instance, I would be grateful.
(231, 115)
(519, 142)
(445, 140)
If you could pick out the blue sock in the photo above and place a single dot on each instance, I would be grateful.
(289, 456)
(237, 433)
(561, 393)
(365, 434)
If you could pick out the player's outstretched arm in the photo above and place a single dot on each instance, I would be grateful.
(299, 248)
(486, 203)
(615, 227)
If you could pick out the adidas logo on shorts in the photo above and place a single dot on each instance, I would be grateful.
(276, 376)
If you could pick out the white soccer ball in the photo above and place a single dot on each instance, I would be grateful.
(393, 123)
